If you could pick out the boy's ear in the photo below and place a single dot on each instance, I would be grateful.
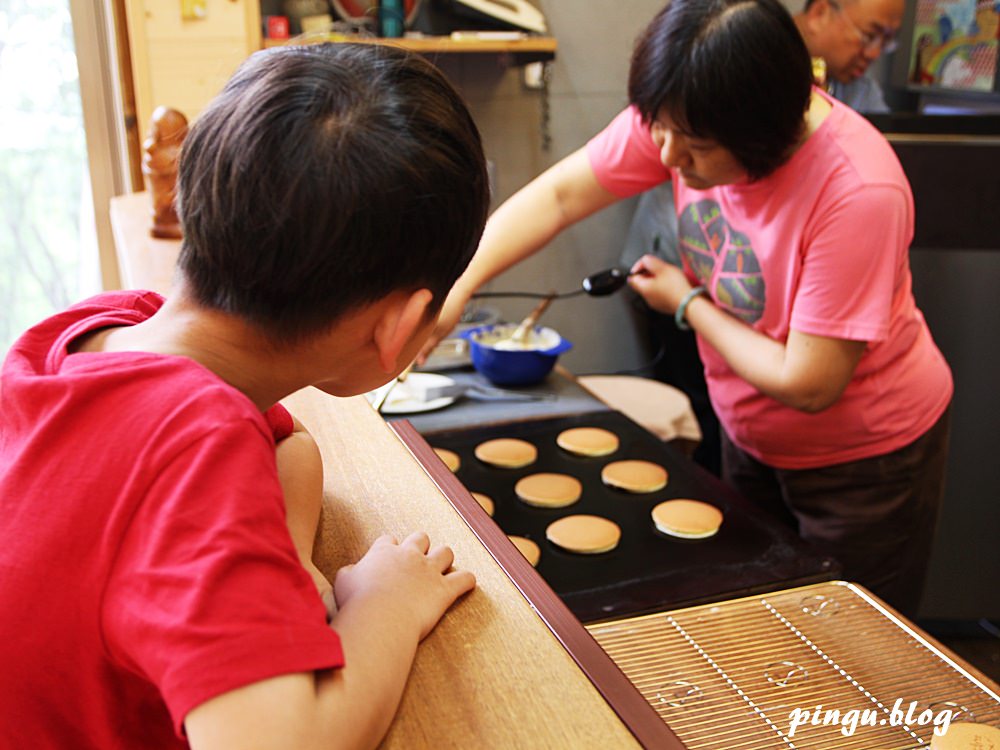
(402, 316)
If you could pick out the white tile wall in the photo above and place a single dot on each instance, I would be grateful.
(588, 87)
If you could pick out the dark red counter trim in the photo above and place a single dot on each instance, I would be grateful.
(623, 697)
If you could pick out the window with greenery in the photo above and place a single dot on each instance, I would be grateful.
(48, 249)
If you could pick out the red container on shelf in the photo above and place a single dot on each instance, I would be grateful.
(276, 27)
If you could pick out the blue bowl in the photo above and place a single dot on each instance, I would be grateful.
(512, 366)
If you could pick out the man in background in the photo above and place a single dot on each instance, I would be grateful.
(850, 35)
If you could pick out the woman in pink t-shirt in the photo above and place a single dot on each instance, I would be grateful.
(794, 220)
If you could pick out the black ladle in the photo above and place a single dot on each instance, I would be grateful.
(603, 283)
(599, 284)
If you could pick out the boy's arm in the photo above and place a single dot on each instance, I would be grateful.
(300, 472)
(388, 602)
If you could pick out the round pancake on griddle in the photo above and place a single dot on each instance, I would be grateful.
(586, 535)
(450, 458)
(507, 453)
(547, 490)
(687, 519)
(967, 735)
(634, 476)
(588, 441)
(485, 501)
(531, 551)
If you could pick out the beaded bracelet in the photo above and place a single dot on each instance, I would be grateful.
(683, 306)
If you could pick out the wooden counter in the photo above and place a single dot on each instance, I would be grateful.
(144, 262)
(491, 674)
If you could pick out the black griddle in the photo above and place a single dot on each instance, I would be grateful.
(751, 553)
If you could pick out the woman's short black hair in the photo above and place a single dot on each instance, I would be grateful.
(323, 178)
(733, 71)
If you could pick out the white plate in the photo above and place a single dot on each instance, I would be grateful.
(449, 354)
(401, 399)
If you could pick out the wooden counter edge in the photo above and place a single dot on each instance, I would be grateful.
(144, 262)
(623, 697)
(492, 644)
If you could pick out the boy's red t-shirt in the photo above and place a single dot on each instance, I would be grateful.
(145, 563)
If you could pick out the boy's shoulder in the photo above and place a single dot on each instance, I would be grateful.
(154, 393)
(43, 348)
(129, 305)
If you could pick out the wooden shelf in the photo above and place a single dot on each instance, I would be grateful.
(526, 50)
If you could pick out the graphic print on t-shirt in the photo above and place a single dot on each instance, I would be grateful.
(722, 259)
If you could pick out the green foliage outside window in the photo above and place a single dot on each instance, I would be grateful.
(48, 256)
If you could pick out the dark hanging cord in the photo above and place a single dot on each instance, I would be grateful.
(648, 366)
(528, 295)
(546, 110)
(640, 370)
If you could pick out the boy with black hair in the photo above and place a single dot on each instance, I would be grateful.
(157, 504)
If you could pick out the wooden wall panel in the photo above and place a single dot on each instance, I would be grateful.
(183, 63)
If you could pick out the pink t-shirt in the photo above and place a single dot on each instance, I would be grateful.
(820, 246)
(145, 562)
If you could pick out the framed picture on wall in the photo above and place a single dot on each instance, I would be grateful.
(954, 45)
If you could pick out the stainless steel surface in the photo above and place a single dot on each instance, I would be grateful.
(555, 396)
(823, 666)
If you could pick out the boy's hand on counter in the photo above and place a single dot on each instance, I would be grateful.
(412, 579)
(325, 589)
(386, 603)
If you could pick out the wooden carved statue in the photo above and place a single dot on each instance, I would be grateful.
(161, 150)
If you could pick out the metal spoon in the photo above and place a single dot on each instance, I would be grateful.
(378, 404)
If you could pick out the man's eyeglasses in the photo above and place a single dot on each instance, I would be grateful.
(882, 39)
